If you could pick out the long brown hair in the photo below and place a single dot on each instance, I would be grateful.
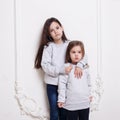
(70, 46)
(45, 38)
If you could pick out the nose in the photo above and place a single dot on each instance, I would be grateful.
(55, 31)
(76, 54)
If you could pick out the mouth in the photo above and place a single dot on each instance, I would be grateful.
(57, 35)
(76, 59)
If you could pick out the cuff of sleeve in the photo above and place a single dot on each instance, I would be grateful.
(80, 65)
(60, 100)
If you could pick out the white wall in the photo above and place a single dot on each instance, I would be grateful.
(19, 38)
(110, 106)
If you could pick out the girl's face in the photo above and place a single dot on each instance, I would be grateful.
(56, 32)
(76, 54)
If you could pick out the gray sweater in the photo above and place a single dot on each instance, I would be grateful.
(53, 60)
(74, 92)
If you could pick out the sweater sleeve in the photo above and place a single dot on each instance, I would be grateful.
(46, 62)
(89, 82)
(82, 62)
(62, 88)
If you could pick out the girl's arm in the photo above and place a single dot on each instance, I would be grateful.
(80, 66)
(62, 88)
(83, 62)
(46, 62)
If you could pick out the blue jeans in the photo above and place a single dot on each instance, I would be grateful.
(55, 112)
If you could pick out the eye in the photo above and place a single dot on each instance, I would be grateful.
(79, 51)
(57, 27)
(73, 51)
(51, 30)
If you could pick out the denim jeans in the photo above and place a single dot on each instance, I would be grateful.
(55, 112)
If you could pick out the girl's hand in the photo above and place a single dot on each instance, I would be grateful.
(68, 69)
(60, 104)
(78, 72)
(91, 98)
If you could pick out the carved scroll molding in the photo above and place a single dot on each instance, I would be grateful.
(28, 105)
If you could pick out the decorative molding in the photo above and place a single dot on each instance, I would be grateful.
(97, 94)
(28, 105)
(98, 86)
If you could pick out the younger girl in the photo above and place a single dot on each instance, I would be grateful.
(51, 57)
(74, 93)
